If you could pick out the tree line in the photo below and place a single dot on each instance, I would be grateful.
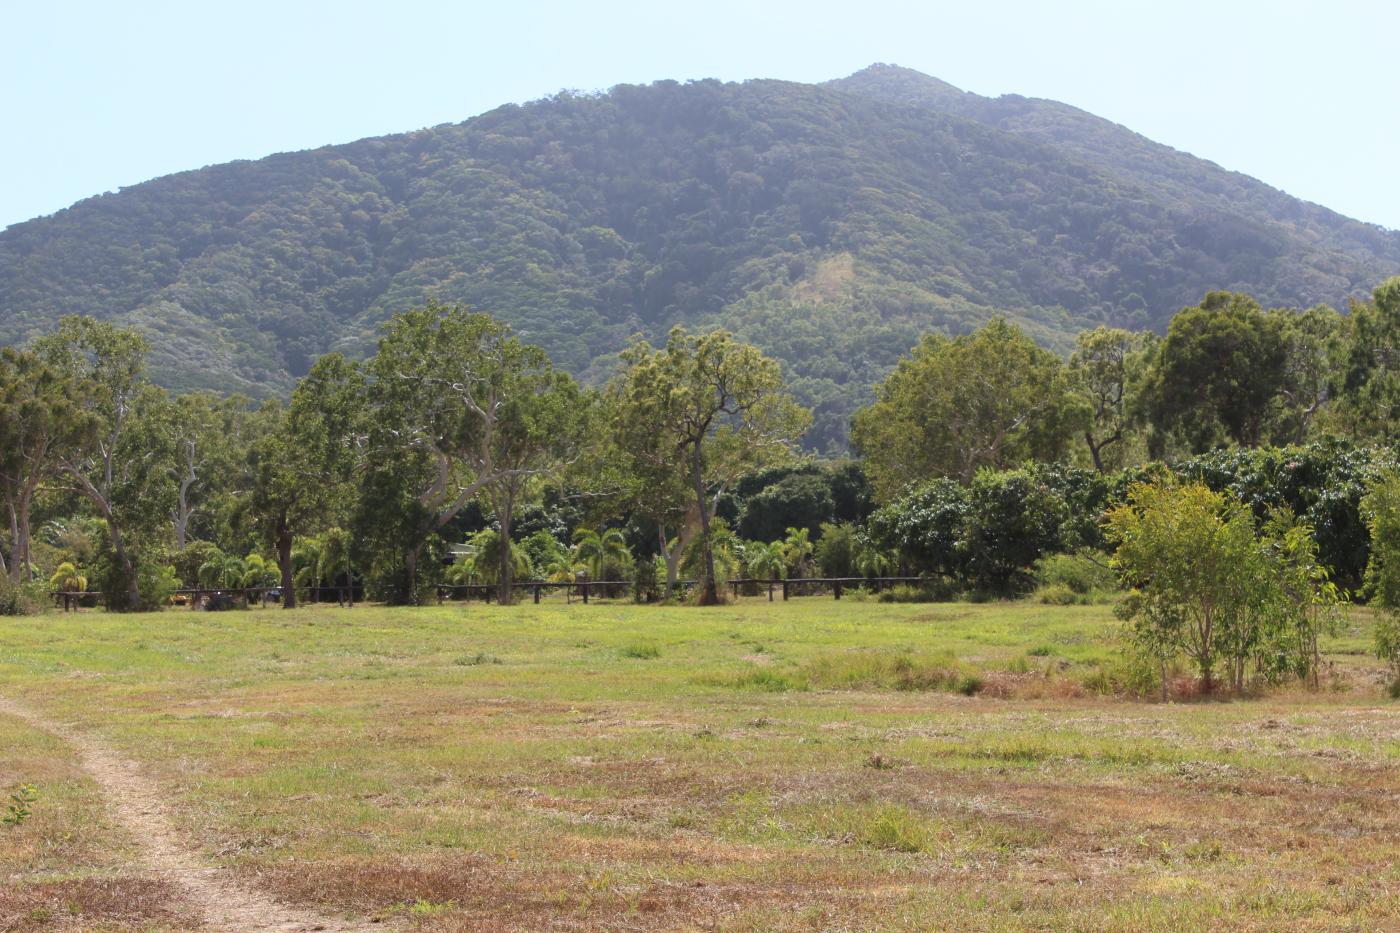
(452, 417)
(982, 456)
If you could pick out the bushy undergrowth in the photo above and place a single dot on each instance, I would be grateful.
(928, 590)
(22, 599)
(1074, 579)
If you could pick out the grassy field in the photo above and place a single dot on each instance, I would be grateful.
(808, 765)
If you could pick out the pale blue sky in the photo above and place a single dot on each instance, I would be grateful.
(98, 95)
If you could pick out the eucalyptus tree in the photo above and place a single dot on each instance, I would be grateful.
(540, 428)
(710, 409)
(303, 469)
(1218, 373)
(121, 465)
(1370, 402)
(1317, 342)
(461, 409)
(210, 433)
(40, 420)
(1105, 368)
(956, 404)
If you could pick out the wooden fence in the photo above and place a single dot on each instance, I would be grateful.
(260, 595)
(795, 586)
(247, 596)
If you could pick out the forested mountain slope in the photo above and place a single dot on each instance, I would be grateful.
(829, 224)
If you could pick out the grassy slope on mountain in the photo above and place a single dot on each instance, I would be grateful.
(830, 224)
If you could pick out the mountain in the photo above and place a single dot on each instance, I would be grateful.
(830, 224)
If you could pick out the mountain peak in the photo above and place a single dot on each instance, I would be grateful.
(898, 84)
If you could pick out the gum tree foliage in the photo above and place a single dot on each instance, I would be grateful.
(710, 409)
(957, 404)
(40, 419)
(1218, 373)
(120, 465)
(541, 425)
(1370, 404)
(1206, 582)
(1318, 343)
(303, 469)
(1105, 370)
(461, 409)
(211, 438)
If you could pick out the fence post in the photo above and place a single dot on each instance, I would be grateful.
(836, 588)
(785, 591)
(585, 594)
(770, 591)
(536, 589)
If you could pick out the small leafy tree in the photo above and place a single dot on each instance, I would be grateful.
(836, 549)
(1207, 583)
(1186, 554)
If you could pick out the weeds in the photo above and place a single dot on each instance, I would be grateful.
(474, 660)
(20, 807)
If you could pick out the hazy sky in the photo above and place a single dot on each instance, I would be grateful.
(98, 95)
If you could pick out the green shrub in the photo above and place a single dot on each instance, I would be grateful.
(929, 590)
(22, 599)
(1058, 594)
(642, 651)
(1082, 574)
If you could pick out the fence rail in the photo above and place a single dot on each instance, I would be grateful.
(199, 597)
(793, 586)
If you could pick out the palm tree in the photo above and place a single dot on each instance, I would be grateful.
(872, 562)
(797, 549)
(483, 564)
(306, 563)
(221, 571)
(596, 550)
(767, 562)
(67, 579)
(260, 572)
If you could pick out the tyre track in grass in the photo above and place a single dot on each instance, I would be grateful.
(138, 806)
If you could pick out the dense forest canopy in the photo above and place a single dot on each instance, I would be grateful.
(828, 225)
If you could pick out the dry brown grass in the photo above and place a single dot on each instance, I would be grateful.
(345, 763)
(92, 903)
